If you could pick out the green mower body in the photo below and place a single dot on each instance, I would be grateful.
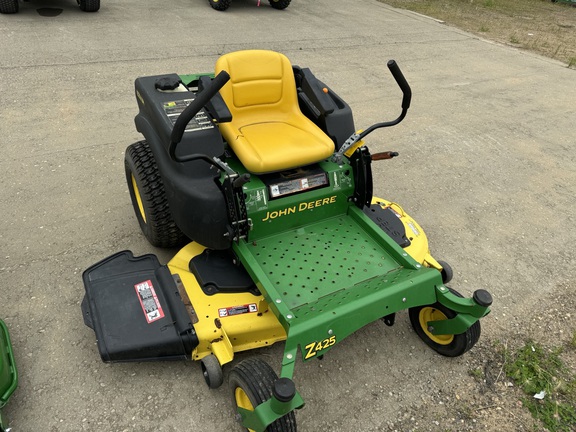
(303, 255)
(8, 372)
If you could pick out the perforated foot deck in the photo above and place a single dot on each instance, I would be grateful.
(344, 257)
(320, 259)
(330, 278)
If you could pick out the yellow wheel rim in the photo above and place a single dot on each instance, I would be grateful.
(428, 314)
(242, 401)
(138, 199)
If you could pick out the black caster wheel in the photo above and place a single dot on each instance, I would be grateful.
(212, 371)
(453, 345)
(447, 273)
(252, 382)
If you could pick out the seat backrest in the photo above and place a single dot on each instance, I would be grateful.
(262, 86)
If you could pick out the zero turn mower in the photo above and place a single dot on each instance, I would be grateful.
(261, 175)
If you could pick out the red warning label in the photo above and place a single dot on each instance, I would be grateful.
(237, 310)
(149, 301)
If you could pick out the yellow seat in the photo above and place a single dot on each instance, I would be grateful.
(268, 132)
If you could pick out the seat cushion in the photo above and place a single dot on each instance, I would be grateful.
(268, 132)
(277, 146)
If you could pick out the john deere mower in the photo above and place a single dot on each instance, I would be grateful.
(261, 174)
(8, 373)
(12, 6)
(222, 5)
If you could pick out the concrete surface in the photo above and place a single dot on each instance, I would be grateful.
(487, 167)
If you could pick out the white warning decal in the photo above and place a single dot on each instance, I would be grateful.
(237, 310)
(149, 301)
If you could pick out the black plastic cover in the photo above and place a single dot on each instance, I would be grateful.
(167, 83)
(196, 202)
(323, 106)
(217, 271)
(161, 109)
(482, 298)
(134, 307)
(387, 220)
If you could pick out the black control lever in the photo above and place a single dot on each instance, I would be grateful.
(191, 110)
(241, 180)
(406, 91)
(402, 83)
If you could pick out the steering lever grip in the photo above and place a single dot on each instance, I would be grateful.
(402, 83)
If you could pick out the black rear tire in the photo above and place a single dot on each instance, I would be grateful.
(89, 5)
(446, 345)
(149, 197)
(252, 381)
(279, 4)
(9, 6)
(220, 5)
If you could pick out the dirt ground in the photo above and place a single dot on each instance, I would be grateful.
(540, 26)
(491, 401)
(487, 167)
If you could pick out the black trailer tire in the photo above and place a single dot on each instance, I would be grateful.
(220, 5)
(89, 5)
(212, 371)
(251, 382)
(149, 197)
(279, 4)
(9, 6)
(446, 345)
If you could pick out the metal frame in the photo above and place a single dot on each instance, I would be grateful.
(335, 274)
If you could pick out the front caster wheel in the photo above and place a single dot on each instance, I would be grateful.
(252, 382)
(447, 272)
(446, 345)
(212, 371)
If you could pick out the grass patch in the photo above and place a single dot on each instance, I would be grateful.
(477, 374)
(536, 369)
(540, 26)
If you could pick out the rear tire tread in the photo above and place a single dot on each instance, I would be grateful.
(159, 228)
(89, 5)
(279, 4)
(9, 6)
(220, 5)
